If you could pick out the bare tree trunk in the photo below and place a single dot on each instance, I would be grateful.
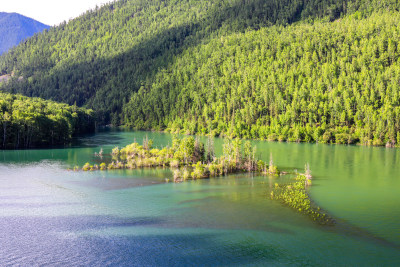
(18, 139)
(4, 134)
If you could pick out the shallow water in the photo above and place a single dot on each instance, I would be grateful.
(52, 216)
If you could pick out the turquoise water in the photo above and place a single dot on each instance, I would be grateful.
(52, 216)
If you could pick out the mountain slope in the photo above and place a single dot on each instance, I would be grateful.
(14, 28)
(324, 82)
(296, 70)
(102, 57)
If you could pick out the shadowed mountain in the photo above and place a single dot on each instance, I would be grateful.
(102, 57)
(15, 28)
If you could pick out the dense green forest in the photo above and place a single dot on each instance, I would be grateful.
(33, 122)
(296, 70)
(326, 82)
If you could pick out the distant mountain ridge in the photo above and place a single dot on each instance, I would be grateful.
(15, 27)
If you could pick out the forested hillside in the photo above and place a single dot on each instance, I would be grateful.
(33, 122)
(297, 70)
(100, 58)
(326, 82)
(14, 28)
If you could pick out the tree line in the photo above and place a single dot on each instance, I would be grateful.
(33, 122)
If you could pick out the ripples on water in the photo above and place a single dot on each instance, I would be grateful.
(51, 216)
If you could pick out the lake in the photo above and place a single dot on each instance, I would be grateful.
(52, 216)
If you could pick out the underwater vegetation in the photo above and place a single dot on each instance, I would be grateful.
(294, 194)
(190, 159)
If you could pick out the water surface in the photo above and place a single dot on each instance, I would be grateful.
(52, 216)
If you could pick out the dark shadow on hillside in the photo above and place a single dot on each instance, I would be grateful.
(106, 84)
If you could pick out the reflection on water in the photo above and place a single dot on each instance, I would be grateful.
(133, 218)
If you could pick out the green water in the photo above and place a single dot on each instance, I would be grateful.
(50, 215)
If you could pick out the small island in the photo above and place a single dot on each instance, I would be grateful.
(190, 159)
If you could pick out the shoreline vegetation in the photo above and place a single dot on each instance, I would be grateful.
(348, 140)
(30, 122)
(190, 159)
